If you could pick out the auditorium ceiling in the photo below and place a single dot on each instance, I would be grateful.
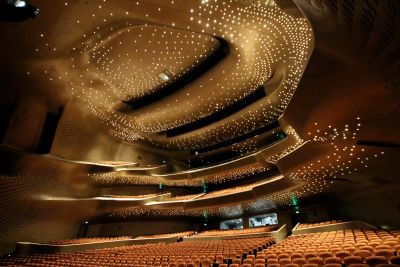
(268, 100)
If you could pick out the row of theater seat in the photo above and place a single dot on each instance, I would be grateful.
(87, 240)
(183, 254)
(342, 247)
(324, 223)
(184, 197)
(131, 196)
(246, 231)
(180, 234)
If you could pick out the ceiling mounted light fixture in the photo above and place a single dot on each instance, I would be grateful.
(165, 75)
(17, 10)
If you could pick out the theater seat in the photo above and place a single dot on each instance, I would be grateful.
(259, 261)
(374, 260)
(352, 259)
(309, 255)
(335, 260)
(271, 261)
(296, 255)
(387, 253)
(332, 265)
(324, 255)
(299, 261)
(284, 262)
(358, 265)
(342, 254)
(362, 253)
(317, 260)
(387, 265)
(394, 259)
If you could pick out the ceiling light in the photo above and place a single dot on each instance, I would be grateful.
(165, 75)
(17, 10)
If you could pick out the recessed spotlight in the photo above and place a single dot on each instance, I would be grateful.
(165, 75)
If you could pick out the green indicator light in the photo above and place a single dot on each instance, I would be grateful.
(294, 200)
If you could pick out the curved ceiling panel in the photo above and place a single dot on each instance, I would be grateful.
(140, 60)
(263, 42)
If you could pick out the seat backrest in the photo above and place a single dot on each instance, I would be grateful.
(299, 261)
(387, 265)
(239, 261)
(387, 253)
(308, 255)
(358, 265)
(341, 254)
(374, 260)
(248, 261)
(332, 265)
(394, 259)
(352, 259)
(205, 263)
(250, 257)
(362, 253)
(316, 260)
(296, 255)
(324, 255)
(285, 261)
(335, 260)
(370, 248)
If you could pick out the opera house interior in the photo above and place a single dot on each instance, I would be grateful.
(199, 133)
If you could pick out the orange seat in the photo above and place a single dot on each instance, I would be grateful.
(324, 255)
(332, 265)
(284, 261)
(335, 260)
(362, 253)
(394, 259)
(296, 255)
(358, 265)
(374, 260)
(352, 259)
(387, 253)
(387, 265)
(317, 260)
(308, 255)
(342, 254)
(299, 261)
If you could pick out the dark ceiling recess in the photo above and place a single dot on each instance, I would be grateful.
(216, 116)
(225, 154)
(377, 143)
(48, 132)
(177, 83)
(258, 131)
